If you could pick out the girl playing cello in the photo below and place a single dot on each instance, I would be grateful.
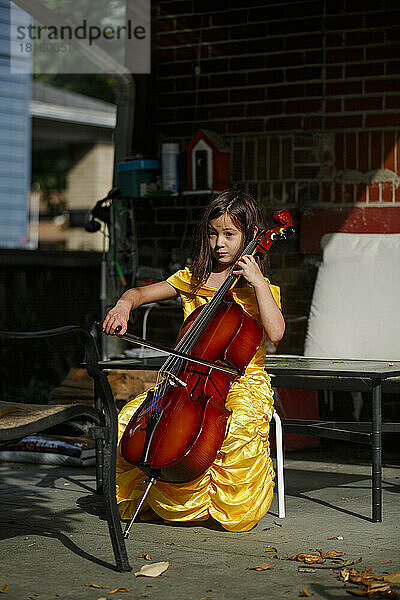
(237, 489)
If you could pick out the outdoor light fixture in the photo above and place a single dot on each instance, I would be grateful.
(101, 212)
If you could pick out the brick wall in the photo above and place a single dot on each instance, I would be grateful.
(307, 94)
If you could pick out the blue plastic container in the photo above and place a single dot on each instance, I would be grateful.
(134, 175)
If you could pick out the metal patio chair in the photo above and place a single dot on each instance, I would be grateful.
(34, 418)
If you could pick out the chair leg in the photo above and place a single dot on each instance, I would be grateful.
(279, 465)
(99, 445)
(108, 471)
(99, 465)
(113, 518)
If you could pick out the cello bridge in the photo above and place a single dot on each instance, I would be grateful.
(174, 380)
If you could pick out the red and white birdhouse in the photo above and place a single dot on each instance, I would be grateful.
(208, 159)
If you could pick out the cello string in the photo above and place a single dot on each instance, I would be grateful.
(192, 335)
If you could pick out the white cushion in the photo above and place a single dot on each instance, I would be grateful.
(355, 309)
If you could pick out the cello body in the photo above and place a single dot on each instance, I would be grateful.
(180, 439)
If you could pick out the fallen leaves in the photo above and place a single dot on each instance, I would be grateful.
(310, 559)
(153, 570)
(270, 548)
(145, 556)
(369, 584)
(262, 567)
(392, 577)
(104, 587)
(304, 593)
(355, 576)
(4, 590)
(372, 590)
(330, 554)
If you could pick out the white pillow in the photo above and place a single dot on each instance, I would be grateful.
(355, 309)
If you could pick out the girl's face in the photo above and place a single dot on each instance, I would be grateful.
(225, 240)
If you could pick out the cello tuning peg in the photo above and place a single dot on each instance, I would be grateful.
(282, 217)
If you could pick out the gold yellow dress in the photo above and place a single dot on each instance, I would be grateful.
(237, 489)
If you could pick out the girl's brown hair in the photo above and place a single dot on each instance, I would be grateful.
(244, 212)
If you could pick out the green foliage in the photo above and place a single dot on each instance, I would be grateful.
(49, 171)
(101, 87)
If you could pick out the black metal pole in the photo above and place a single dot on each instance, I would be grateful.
(99, 447)
(376, 450)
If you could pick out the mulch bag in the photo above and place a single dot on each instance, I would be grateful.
(51, 450)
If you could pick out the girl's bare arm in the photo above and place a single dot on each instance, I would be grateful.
(118, 316)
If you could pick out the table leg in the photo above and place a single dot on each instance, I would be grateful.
(376, 451)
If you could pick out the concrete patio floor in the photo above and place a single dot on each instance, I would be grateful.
(54, 539)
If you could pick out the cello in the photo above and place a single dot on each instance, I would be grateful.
(178, 430)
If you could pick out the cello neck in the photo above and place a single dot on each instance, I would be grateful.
(190, 338)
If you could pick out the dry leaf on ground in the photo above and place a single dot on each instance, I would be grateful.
(392, 577)
(330, 553)
(153, 570)
(145, 556)
(355, 576)
(337, 537)
(270, 548)
(119, 590)
(4, 590)
(374, 589)
(304, 593)
(345, 574)
(310, 559)
(95, 585)
(378, 587)
(369, 584)
(262, 567)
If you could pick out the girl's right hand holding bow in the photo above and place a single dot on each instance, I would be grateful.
(117, 317)
(132, 299)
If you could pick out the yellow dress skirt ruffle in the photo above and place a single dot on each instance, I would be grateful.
(237, 489)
